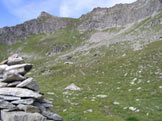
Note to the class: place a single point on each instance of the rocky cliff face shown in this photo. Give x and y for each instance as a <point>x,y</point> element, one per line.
<point>119,15</point>
<point>99,18</point>
<point>45,23</point>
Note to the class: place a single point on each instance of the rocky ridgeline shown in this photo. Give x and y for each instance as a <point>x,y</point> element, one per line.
<point>20,99</point>
<point>119,15</point>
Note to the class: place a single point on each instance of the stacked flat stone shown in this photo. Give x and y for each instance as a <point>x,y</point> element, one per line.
<point>20,99</point>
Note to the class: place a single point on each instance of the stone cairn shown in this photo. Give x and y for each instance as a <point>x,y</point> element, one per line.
<point>20,99</point>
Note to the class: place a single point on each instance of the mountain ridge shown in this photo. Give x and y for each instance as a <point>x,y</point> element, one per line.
<point>98,19</point>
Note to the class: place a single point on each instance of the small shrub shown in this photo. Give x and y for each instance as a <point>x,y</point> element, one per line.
<point>132,119</point>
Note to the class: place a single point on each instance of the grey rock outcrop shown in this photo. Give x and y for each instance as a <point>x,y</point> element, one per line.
<point>20,99</point>
<point>45,23</point>
<point>119,15</point>
<point>99,19</point>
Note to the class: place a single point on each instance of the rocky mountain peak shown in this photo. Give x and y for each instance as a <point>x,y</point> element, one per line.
<point>43,13</point>
<point>119,15</point>
<point>99,19</point>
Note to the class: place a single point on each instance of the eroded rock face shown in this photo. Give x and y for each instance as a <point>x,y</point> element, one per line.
<point>99,18</point>
<point>119,15</point>
<point>45,23</point>
<point>21,116</point>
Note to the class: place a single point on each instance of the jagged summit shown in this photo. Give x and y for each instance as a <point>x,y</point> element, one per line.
<point>119,15</point>
<point>99,19</point>
<point>43,13</point>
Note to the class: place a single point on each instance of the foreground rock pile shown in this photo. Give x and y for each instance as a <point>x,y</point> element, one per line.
<point>20,99</point>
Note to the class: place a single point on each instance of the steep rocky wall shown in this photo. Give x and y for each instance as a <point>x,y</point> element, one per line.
<point>45,23</point>
<point>119,15</point>
<point>98,19</point>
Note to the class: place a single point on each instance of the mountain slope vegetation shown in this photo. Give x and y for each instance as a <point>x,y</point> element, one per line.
<point>119,69</point>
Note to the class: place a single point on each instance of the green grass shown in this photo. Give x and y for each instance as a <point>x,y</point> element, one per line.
<point>114,29</point>
<point>110,70</point>
<point>109,66</point>
<point>136,26</point>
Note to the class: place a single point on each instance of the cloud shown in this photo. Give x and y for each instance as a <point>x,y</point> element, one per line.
<point>75,8</point>
<point>26,10</point>
<point>29,9</point>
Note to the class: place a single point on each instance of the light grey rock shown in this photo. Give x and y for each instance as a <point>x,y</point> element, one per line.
<point>9,98</point>
<point>29,83</point>
<point>21,116</point>
<point>73,87</point>
<point>11,76</point>
<point>19,92</point>
<point>119,15</point>
<point>28,108</point>
<point>43,24</point>
<point>19,68</point>
<point>48,113</point>
<point>2,84</point>
<point>6,105</point>
<point>24,101</point>
<point>2,68</point>
<point>52,115</point>
<point>15,59</point>
<point>13,84</point>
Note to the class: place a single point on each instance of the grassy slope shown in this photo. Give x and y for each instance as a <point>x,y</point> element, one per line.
<point>108,67</point>
<point>110,70</point>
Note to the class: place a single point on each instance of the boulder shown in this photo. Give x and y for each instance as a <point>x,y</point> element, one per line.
<point>28,108</point>
<point>6,105</point>
<point>28,101</point>
<point>9,98</point>
<point>19,92</point>
<point>29,83</point>
<point>11,76</point>
<point>52,115</point>
<point>15,59</point>
<point>21,116</point>
<point>73,87</point>
<point>19,68</point>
